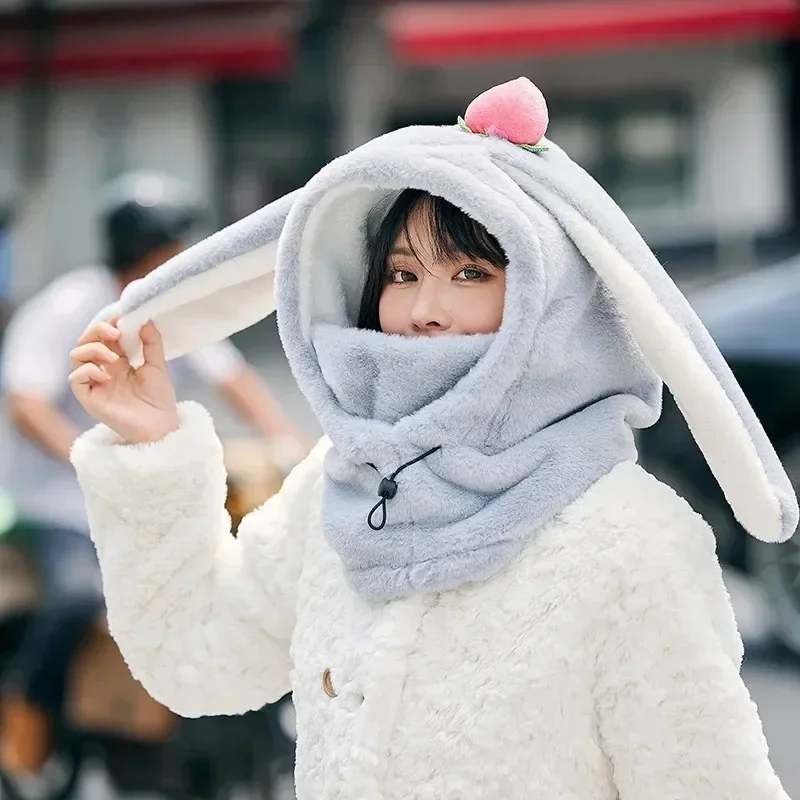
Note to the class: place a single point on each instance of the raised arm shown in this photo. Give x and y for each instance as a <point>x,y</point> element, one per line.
<point>203,619</point>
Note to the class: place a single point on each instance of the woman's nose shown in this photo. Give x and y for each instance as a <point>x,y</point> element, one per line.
<point>429,312</point>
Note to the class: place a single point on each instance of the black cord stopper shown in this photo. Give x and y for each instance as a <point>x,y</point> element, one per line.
<point>387,490</point>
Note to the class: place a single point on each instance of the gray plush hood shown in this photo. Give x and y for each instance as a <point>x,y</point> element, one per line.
<point>539,205</point>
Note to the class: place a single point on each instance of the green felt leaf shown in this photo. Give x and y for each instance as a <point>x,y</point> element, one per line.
<point>531,148</point>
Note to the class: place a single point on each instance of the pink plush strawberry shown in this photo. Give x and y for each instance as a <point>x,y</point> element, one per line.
<point>515,111</point>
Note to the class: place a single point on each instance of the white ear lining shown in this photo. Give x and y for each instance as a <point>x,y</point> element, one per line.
<point>207,307</point>
<point>331,254</point>
<point>711,416</point>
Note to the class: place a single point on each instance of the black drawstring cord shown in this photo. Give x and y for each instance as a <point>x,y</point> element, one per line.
<point>388,489</point>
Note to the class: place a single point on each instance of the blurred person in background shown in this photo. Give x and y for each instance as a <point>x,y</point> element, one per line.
<point>6,505</point>
<point>5,269</point>
<point>146,219</point>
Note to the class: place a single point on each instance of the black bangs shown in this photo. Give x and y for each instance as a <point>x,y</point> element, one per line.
<point>451,231</point>
<point>452,234</point>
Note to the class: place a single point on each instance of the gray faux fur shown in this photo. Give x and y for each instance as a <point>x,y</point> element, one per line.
<point>527,419</point>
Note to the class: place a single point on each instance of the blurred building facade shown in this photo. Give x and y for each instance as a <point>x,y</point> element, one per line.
<point>685,110</point>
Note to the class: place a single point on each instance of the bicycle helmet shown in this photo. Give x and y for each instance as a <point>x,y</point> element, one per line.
<point>143,211</point>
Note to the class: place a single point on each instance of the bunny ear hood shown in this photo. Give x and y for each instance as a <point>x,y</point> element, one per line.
<point>220,286</point>
<point>497,167</point>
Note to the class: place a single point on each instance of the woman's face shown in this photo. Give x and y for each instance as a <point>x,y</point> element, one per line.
<point>427,296</point>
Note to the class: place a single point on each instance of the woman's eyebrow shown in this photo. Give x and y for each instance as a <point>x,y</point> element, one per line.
<point>401,251</point>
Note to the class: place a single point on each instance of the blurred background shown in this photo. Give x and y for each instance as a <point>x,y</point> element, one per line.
<point>687,111</point>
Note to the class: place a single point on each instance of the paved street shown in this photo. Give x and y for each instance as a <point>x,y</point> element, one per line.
<point>773,680</point>
<point>776,691</point>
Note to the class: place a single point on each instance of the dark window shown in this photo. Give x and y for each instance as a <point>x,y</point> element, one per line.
<point>639,148</point>
<point>263,146</point>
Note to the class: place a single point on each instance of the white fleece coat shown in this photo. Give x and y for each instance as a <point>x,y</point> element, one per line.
<point>603,663</point>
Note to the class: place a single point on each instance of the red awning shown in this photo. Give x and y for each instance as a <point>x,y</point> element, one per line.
<point>223,38</point>
<point>430,33</point>
<point>243,37</point>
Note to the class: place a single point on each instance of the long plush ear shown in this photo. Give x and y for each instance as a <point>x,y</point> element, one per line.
<point>666,328</point>
<point>221,285</point>
<point>682,352</point>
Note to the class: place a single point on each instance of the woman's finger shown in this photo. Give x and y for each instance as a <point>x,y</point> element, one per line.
<point>88,374</point>
<point>93,351</point>
<point>100,332</point>
<point>152,346</point>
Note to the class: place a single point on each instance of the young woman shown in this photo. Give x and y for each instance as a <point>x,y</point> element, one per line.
<point>470,586</point>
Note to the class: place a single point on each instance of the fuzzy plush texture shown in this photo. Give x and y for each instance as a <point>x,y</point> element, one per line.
<point>602,663</point>
<point>522,435</point>
<point>519,196</point>
<point>515,111</point>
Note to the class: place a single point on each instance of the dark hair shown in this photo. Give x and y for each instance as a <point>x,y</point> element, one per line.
<point>133,231</point>
<point>453,233</point>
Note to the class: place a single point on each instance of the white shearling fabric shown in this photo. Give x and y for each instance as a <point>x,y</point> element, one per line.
<point>602,663</point>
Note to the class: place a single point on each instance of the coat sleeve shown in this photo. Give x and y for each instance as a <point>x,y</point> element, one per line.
<point>676,719</point>
<point>203,619</point>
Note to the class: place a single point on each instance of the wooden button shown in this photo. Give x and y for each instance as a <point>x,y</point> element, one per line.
<point>327,684</point>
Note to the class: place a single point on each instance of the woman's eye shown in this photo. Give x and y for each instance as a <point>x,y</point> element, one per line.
<point>402,276</point>
<point>471,274</point>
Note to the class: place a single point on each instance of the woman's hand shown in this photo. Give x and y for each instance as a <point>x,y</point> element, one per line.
<point>138,404</point>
